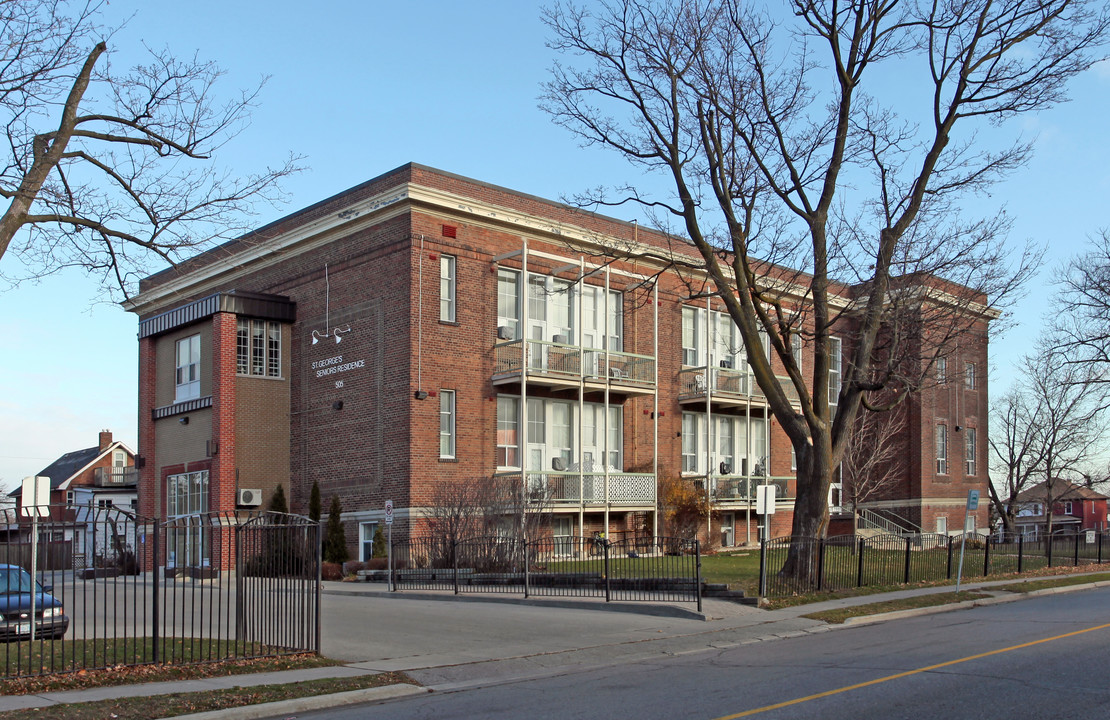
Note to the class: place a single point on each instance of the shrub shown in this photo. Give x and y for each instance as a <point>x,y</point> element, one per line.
<point>331,571</point>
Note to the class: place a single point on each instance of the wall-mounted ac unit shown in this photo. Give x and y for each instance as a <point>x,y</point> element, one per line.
<point>726,364</point>
<point>560,339</point>
<point>249,498</point>
<point>725,468</point>
<point>504,332</point>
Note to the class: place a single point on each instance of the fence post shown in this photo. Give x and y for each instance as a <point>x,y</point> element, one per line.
<point>526,566</point>
<point>605,548</point>
<point>948,570</point>
<point>455,563</point>
<point>906,574</point>
<point>1048,541</point>
<point>762,568</point>
<point>859,571</point>
<point>820,563</point>
<point>697,570</point>
<point>319,585</point>
<point>1100,548</point>
<point>1076,556</point>
<point>156,596</point>
<point>986,556</point>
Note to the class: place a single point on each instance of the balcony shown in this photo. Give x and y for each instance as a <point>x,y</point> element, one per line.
<point>729,489</point>
<point>728,387</point>
<point>115,476</point>
<point>571,488</point>
<point>552,364</point>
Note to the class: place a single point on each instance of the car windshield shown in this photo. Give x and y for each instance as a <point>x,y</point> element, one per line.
<point>14,580</point>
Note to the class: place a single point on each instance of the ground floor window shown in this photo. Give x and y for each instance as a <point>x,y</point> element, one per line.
<point>366,532</point>
<point>186,499</point>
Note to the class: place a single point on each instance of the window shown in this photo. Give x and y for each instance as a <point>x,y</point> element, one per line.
<point>942,449</point>
<point>942,373</point>
<point>969,375</point>
<point>969,451</point>
<point>736,441</point>
<point>508,302</point>
<point>836,496</point>
<point>834,370</point>
<point>188,369</point>
<point>447,288</point>
<point>796,350</point>
<point>70,497</point>
<point>1067,508</point>
<point>942,525</point>
<point>104,503</point>
<point>508,430</point>
<point>693,334</point>
<point>690,442</point>
<point>186,496</point>
<point>447,423</point>
<point>258,348</point>
<point>366,532</point>
<point>119,458</point>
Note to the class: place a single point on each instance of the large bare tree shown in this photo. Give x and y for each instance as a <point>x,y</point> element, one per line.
<point>833,137</point>
<point>107,170</point>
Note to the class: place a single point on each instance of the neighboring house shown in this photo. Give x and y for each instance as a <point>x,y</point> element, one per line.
<point>87,480</point>
<point>1075,507</point>
<point>425,329</point>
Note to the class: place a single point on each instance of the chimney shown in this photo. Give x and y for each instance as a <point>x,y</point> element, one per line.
<point>105,439</point>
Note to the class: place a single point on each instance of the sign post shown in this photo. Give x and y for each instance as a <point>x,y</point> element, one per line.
<point>36,494</point>
<point>972,506</point>
<point>389,541</point>
<point>765,508</point>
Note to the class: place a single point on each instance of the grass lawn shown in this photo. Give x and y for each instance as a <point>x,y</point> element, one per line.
<point>164,706</point>
<point>839,615</point>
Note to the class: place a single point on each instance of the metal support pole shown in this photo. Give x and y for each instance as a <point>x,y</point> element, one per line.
<point>697,571</point>
<point>1021,550</point>
<point>390,586</point>
<point>906,574</point>
<point>1076,555</point>
<point>859,570</point>
<point>156,599</point>
<point>948,573</point>
<point>762,569</point>
<point>605,549</point>
<point>820,563</point>
<point>987,556</point>
<point>526,566</point>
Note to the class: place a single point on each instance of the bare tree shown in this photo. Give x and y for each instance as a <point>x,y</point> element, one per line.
<point>1050,428</point>
<point>1085,294</point>
<point>782,152</point>
<point>874,461</point>
<point>105,170</point>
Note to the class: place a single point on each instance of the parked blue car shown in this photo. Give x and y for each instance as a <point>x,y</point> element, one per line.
<point>15,607</point>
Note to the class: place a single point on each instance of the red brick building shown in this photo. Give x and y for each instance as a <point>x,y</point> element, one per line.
<point>424,329</point>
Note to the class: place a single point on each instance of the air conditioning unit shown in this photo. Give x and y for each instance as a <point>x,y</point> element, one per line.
<point>725,468</point>
<point>726,364</point>
<point>504,332</point>
<point>560,339</point>
<point>249,498</point>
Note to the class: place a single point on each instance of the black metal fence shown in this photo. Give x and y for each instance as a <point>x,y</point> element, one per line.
<point>658,569</point>
<point>848,561</point>
<point>117,589</point>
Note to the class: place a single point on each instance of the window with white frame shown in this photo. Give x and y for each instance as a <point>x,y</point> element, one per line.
<point>188,369</point>
<point>942,449</point>
<point>553,311</point>
<point>508,431</point>
<point>942,370</point>
<point>508,303</point>
<point>447,423</point>
<point>942,525</point>
<point>796,350</point>
<point>553,442</point>
<point>447,288</point>
<point>693,336</point>
<point>119,458</point>
<point>714,339</point>
<point>366,533</point>
<point>186,497</point>
<point>969,450</point>
<point>969,375</point>
<point>834,370</point>
<point>737,441</point>
<point>258,348</point>
<point>1068,508</point>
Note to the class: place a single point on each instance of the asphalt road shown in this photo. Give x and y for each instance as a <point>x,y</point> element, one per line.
<point>1040,658</point>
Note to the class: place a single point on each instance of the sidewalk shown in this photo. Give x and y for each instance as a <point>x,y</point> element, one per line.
<point>520,639</point>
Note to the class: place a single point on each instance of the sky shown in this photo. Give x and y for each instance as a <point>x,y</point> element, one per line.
<point>359,88</point>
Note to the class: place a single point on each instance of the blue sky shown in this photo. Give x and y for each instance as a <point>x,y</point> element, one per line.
<point>359,88</point>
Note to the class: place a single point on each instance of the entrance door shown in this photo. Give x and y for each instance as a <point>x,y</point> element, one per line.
<point>537,323</point>
<point>728,530</point>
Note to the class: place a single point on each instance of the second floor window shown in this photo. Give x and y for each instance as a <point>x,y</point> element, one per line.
<point>969,451</point>
<point>834,370</point>
<point>558,311</point>
<point>942,449</point>
<point>447,288</point>
<point>969,375</point>
<point>942,370</point>
<point>258,348</point>
<point>187,381</point>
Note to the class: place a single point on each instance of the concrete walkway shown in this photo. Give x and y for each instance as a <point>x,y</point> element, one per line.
<point>445,641</point>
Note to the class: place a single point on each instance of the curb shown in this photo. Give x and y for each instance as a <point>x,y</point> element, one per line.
<point>307,704</point>
<point>951,607</point>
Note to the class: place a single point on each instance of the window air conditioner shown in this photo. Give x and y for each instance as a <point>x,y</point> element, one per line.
<point>726,364</point>
<point>249,498</point>
<point>726,469</point>
<point>504,332</point>
<point>558,464</point>
<point>560,339</point>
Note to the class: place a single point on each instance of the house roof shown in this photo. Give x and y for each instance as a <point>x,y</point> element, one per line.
<point>1062,490</point>
<point>72,463</point>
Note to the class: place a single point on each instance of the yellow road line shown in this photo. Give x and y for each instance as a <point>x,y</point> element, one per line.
<point>907,673</point>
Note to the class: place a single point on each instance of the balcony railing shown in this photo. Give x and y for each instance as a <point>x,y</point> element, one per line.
<point>738,488</point>
<point>573,488</point>
<point>115,476</point>
<point>572,362</point>
<point>727,384</point>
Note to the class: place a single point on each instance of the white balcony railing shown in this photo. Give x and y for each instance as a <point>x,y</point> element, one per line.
<point>738,488</point>
<point>696,382</point>
<point>115,476</point>
<point>540,358</point>
<point>574,488</point>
